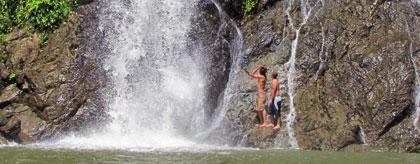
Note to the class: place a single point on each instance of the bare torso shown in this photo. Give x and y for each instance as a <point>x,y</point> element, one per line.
<point>261,87</point>
<point>277,87</point>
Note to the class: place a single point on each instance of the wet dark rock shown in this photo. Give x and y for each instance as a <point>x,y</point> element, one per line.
<point>3,141</point>
<point>84,2</point>
<point>233,8</point>
<point>216,45</point>
<point>360,74</point>
<point>354,70</point>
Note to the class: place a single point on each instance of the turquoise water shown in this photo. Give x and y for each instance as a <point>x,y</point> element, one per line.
<point>30,155</point>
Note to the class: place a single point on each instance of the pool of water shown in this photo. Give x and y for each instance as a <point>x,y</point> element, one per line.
<point>37,155</point>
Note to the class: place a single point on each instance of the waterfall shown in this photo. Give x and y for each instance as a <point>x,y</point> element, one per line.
<point>237,58</point>
<point>321,53</point>
<point>417,80</point>
<point>219,118</point>
<point>158,80</point>
<point>158,84</point>
<point>306,10</point>
<point>417,91</point>
<point>363,136</point>
<point>290,83</point>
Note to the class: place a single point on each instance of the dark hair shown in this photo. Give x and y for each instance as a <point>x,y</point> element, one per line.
<point>274,75</point>
<point>263,71</point>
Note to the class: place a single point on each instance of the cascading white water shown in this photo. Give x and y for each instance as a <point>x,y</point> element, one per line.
<point>363,136</point>
<point>306,10</point>
<point>290,83</point>
<point>237,58</point>
<point>417,80</point>
<point>416,93</point>
<point>219,120</point>
<point>158,82</point>
<point>158,86</point>
<point>321,53</point>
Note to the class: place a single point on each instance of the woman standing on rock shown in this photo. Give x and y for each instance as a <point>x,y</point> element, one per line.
<point>262,78</point>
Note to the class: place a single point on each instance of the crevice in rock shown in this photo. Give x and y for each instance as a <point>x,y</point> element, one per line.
<point>397,120</point>
<point>11,134</point>
<point>4,104</point>
<point>39,114</point>
<point>74,111</point>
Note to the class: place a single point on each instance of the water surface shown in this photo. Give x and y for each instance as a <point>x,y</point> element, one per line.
<point>31,155</point>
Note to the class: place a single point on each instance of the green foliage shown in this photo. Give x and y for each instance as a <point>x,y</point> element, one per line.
<point>249,7</point>
<point>43,37</point>
<point>42,15</point>
<point>73,3</point>
<point>2,38</point>
<point>12,77</point>
<point>3,54</point>
<point>5,19</point>
<point>39,15</point>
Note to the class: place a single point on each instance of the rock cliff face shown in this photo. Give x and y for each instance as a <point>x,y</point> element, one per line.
<point>355,80</point>
<point>49,90</point>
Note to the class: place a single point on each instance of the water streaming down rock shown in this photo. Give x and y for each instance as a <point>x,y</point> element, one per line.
<point>157,90</point>
<point>292,111</point>
<point>416,95</point>
<point>363,136</point>
<point>306,10</point>
<point>219,122</point>
<point>322,64</point>
<point>237,59</point>
<point>158,75</point>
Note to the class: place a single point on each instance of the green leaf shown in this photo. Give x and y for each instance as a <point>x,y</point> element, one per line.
<point>12,77</point>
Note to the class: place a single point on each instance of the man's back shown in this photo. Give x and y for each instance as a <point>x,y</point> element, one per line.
<point>275,86</point>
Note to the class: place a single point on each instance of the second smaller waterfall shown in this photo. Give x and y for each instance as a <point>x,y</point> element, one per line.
<point>305,11</point>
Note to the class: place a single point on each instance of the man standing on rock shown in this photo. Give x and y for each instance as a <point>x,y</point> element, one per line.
<point>262,78</point>
<point>274,103</point>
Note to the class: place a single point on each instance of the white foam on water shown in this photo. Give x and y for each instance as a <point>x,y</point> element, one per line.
<point>156,143</point>
<point>10,144</point>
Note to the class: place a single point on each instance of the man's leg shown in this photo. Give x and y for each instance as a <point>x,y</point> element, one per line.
<point>278,122</point>
<point>278,115</point>
<point>259,115</point>
<point>273,121</point>
<point>272,115</point>
<point>263,113</point>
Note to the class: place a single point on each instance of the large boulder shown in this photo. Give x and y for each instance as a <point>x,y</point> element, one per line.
<point>9,94</point>
<point>31,125</point>
<point>55,87</point>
